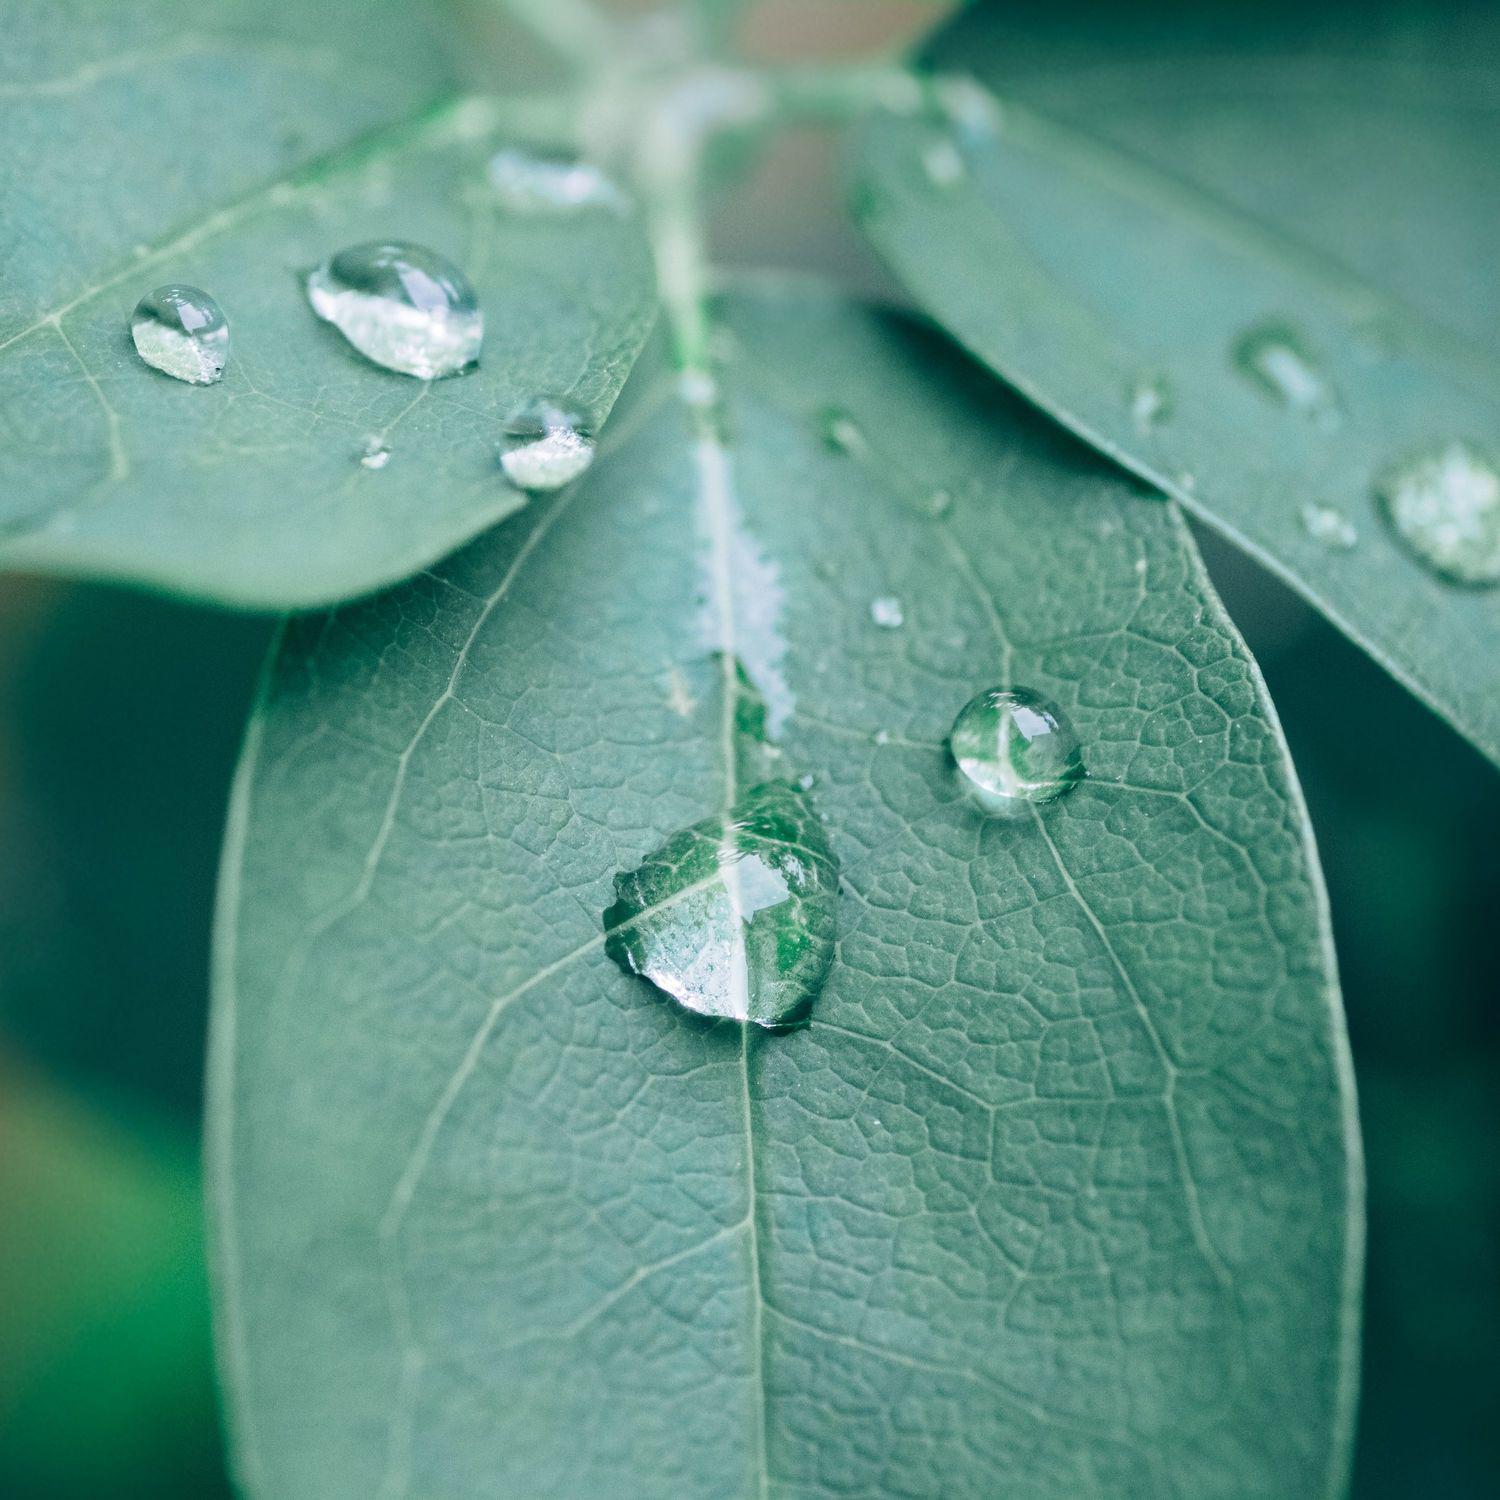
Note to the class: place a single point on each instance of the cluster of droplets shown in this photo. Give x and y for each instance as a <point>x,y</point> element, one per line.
<point>409,310</point>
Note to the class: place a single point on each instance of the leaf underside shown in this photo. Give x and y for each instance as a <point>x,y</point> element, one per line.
<point>234,153</point>
<point>1198,173</point>
<point>1056,1195</point>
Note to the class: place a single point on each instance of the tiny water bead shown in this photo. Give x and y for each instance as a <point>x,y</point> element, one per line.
<point>1443,504</point>
<point>182,332</point>
<point>887,612</point>
<point>840,431</point>
<point>1274,358</point>
<point>1014,747</point>
<point>735,916</point>
<point>546,444</point>
<point>1150,404</point>
<point>402,306</point>
<point>531,182</point>
<point>1329,526</point>
<point>376,455</point>
<point>944,164</point>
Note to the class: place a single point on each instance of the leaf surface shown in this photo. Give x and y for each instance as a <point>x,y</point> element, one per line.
<point>1200,176</point>
<point>1056,1195</point>
<point>234,150</point>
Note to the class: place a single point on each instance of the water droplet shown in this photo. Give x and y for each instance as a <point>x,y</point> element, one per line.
<point>547,445</point>
<point>734,916</point>
<point>840,431</point>
<point>1278,363</point>
<point>182,332</point>
<point>376,454</point>
<point>943,164</point>
<point>887,613</point>
<point>881,737</point>
<point>402,306</point>
<point>1330,526</point>
<point>939,503</point>
<point>1013,747</point>
<point>530,182</point>
<point>1150,403</point>
<point>969,107</point>
<point>1444,506</point>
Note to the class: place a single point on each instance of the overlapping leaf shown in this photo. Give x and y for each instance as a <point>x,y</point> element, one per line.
<point>1206,174</point>
<point>233,147</point>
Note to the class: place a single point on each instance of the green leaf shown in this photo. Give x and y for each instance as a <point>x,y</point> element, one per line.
<point>1326,181</point>
<point>234,153</point>
<point>1057,1193</point>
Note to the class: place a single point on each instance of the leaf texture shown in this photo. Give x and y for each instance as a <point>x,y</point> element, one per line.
<point>1058,1192</point>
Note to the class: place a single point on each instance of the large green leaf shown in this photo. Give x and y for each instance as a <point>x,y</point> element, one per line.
<point>1201,172</point>
<point>233,150</point>
<point>1058,1193</point>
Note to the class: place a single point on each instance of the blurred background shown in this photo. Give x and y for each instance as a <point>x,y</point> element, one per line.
<point>120,717</point>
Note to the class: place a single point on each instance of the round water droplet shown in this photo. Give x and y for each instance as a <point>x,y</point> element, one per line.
<point>939,503</point>
<point>1274,358</point>
<point>881,737</point>
<point>530,182</point>
<point>1014,747</point>
<point>1330,526</point>
<point>546,445</point>
<point>887,613</point>
<point>402,306</point>
<point>376,454</point>
<point>1443,504</point>
<point>182,332</point>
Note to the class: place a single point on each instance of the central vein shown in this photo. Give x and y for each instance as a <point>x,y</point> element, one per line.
<point>672,152</point>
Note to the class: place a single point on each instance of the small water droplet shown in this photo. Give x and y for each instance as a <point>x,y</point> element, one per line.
<point>376,454</point>
<point>547,444</point>
<point>1443,504</point>
<point>939,503</point>
<point>881,737</point>
<point>969,107</point>
<point>887,613</point>
<point>734,916</point>
<point>1185,479</point>
<point>840,431</point>
<point>1150,403</point>
<point>402,306</point>
<point>944,164</point>
<point>530,182</point>
<point>1275,359</point>
<point>182,332</point>
<point>1330,526</point>
<point>1014,747</point>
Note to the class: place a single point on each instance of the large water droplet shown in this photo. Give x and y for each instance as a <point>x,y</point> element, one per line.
<point>1273,357</point>
<point>1444,506</point>
<point>530,182</point>
<point>403,306</point>
<point>1014,747</point>
<point>734,916</point>
<point>546,445</point>
<point>182,332</point>
<point>1329,526</point>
